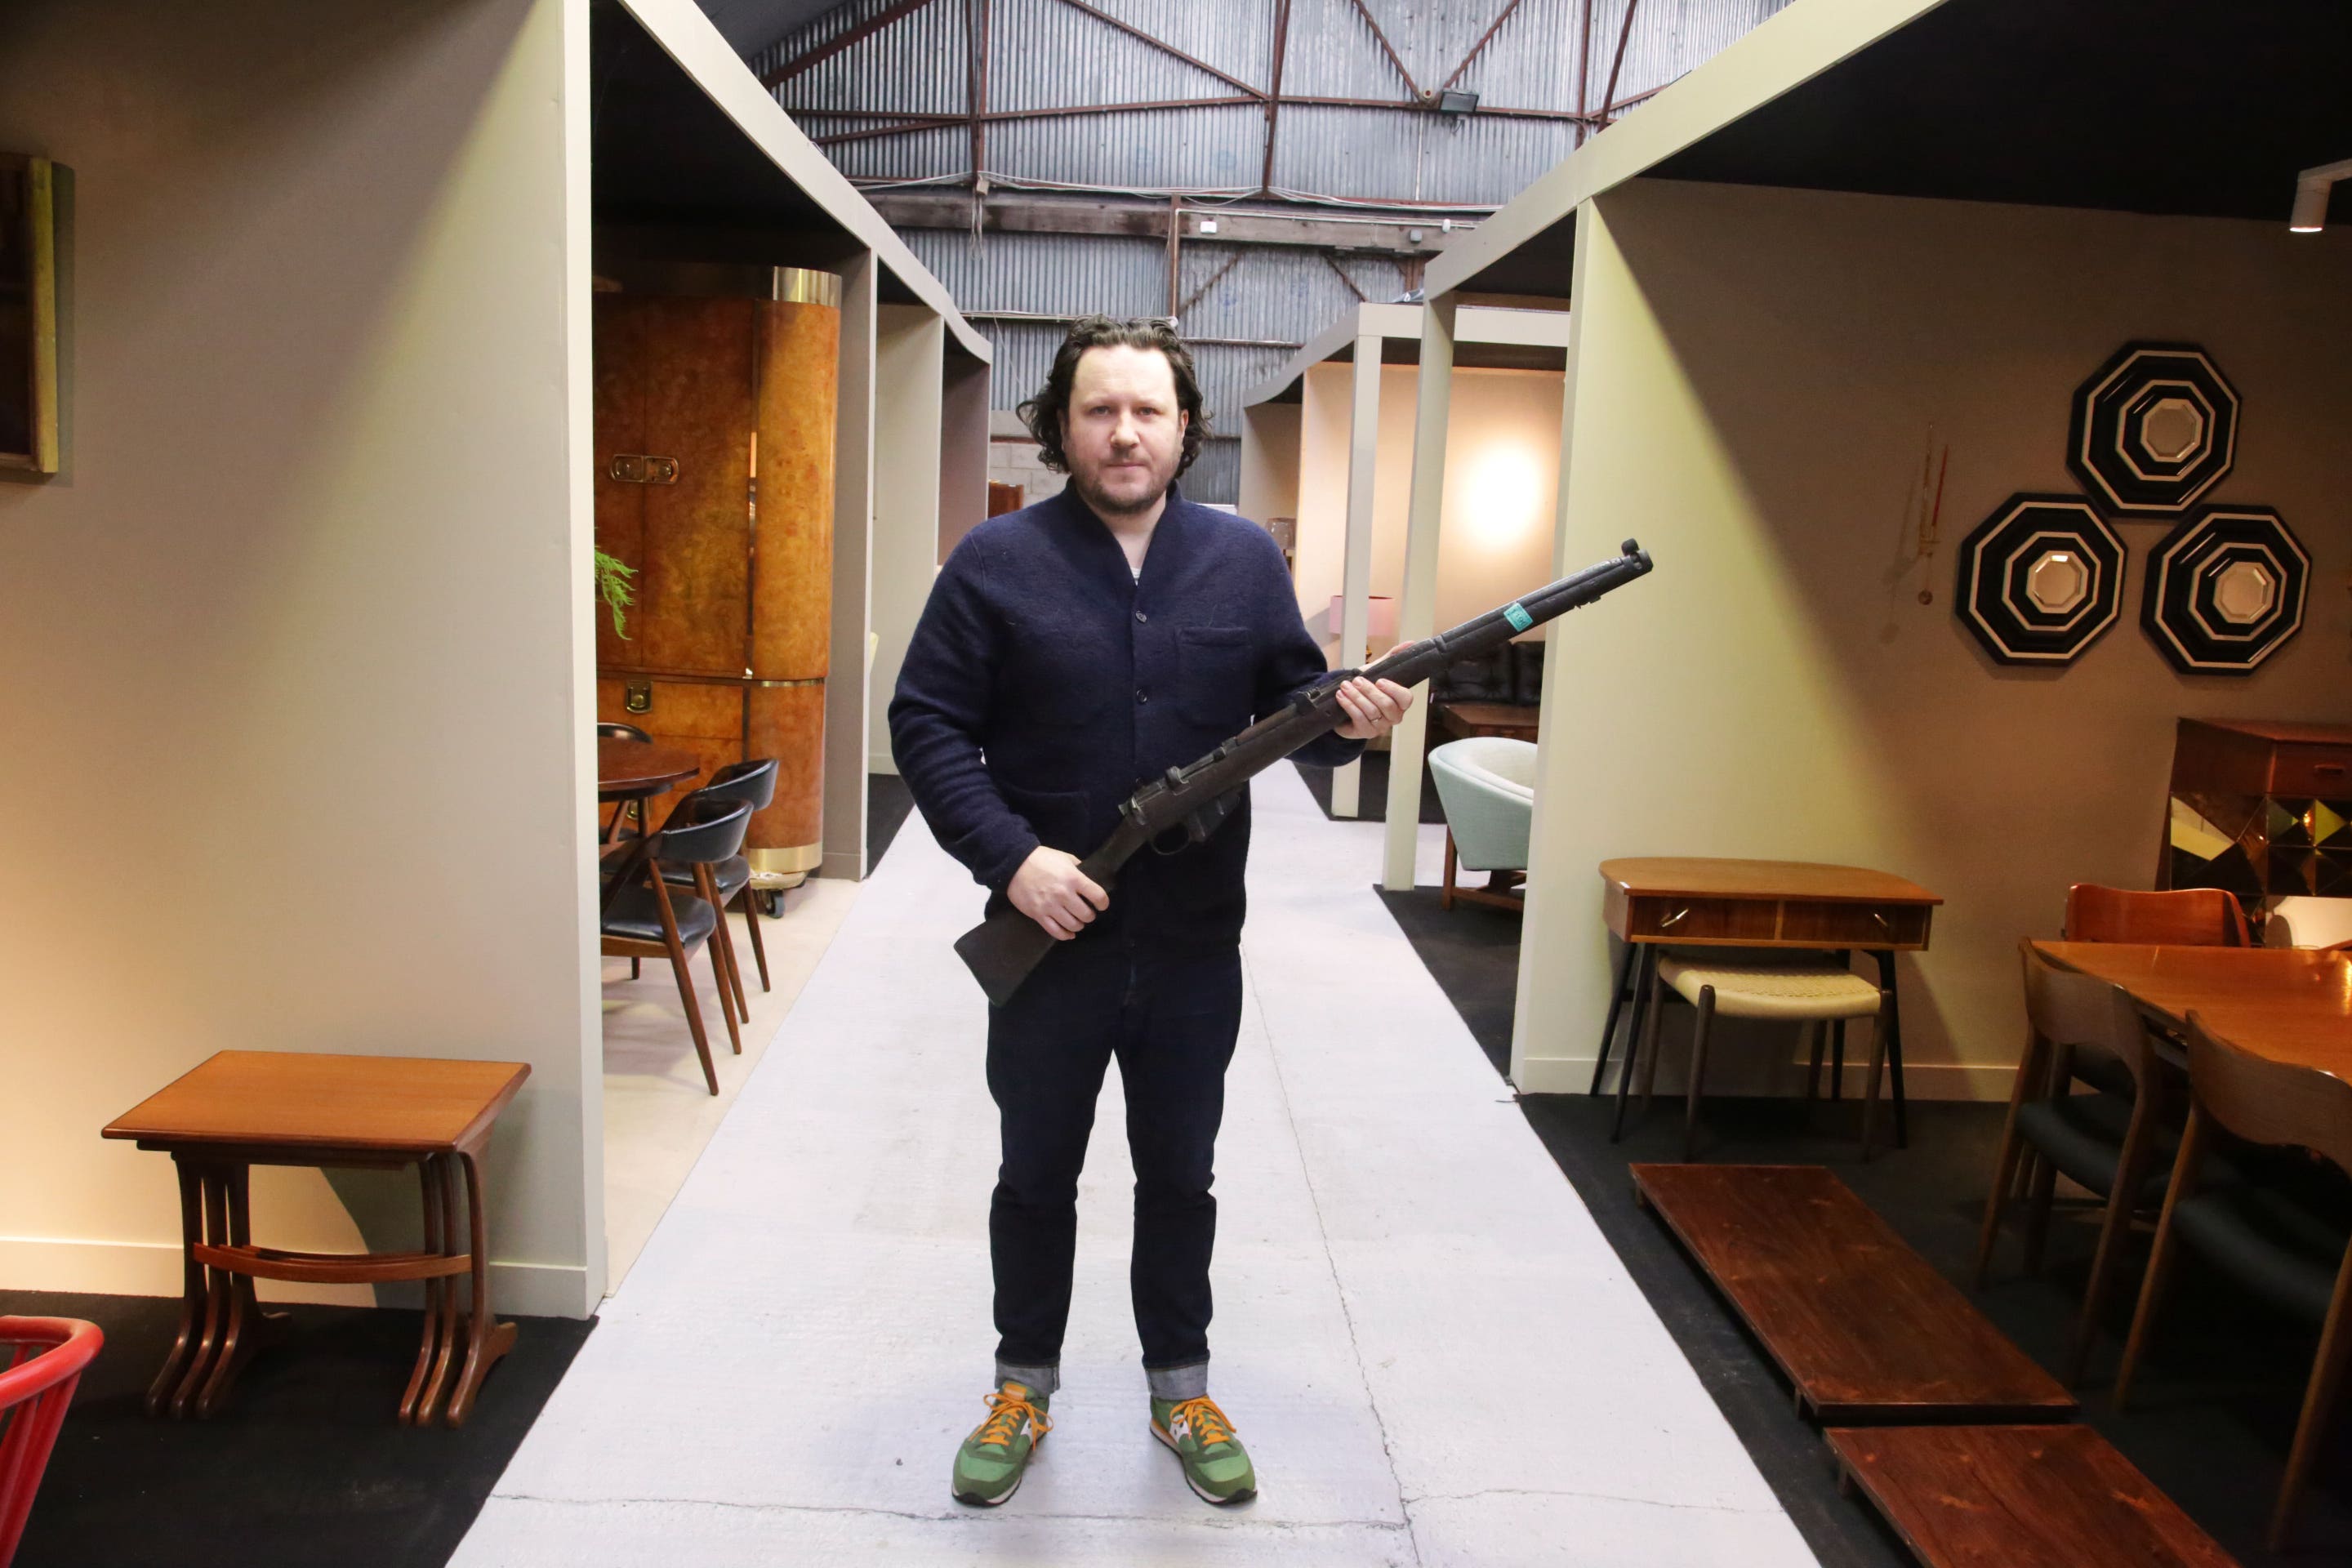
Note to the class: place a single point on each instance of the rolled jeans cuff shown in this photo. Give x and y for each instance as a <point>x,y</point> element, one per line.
<point>1044,1380</point>
<point>1176,1382</point>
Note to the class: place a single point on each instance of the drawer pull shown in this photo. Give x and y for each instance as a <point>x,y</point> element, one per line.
<point>1674,920</point>
<point>1882,923</point>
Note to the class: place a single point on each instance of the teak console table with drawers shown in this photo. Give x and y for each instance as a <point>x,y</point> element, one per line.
<point>1666,901</point>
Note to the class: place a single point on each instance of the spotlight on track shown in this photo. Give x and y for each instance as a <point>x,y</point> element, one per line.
<point>2311,191</point>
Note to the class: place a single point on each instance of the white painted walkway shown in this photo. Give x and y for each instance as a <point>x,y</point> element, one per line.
<point>1431,1353</point>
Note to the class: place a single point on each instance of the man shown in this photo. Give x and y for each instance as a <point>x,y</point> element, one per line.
<point>1070,650</point>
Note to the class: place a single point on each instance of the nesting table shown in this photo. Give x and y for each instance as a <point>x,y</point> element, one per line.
<point>1684,901</point>
<point>242,1108</point>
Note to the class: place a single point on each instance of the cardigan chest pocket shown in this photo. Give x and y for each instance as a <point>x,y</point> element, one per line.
<point>1216,676</point>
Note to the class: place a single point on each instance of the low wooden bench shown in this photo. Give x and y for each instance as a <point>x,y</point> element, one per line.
<point>1860,1323</point>
<point>1978,1495</point>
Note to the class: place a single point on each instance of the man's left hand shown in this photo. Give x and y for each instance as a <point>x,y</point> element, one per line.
<point>1374,709</point>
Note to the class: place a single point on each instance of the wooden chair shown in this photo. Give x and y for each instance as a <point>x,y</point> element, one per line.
<point>753,782</point>
<point>2081,1030</point>
<point>2283,1250</point>
<point>642,918</point>
<point>2184,917</point>
<point>1811,994</point>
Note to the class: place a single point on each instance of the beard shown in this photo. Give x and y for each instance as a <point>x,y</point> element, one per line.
<point>1086,482</point>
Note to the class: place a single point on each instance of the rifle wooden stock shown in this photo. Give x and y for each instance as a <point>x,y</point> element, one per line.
<point>1003,950</point>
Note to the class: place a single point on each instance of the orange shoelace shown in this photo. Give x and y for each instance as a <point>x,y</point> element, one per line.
<point>1208,1422</point>
<point>1005,1413</point>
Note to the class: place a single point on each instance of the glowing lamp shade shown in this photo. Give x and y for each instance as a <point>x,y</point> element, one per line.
<point>1505,493</point>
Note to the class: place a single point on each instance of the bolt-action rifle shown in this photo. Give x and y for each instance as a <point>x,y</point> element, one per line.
<point>1002,950</point>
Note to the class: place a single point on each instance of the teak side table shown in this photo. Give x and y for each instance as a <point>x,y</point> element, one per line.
<point>1686,901</point>
<point>242,1108</point>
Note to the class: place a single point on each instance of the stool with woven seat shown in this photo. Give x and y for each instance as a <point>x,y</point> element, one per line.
<point>1807,994</point>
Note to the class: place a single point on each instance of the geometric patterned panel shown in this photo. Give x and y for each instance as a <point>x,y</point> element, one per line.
<point>2224,591</point>
<point>2040,579</point>
<point>2155,428</point>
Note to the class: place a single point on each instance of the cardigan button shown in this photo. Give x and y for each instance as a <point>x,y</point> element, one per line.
<point>1141,695</point>
<point>1140,617</point>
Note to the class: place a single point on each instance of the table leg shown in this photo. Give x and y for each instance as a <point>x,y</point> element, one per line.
<point>1837,1043</point>
<point>1642,970</point>
<point>247,1330</point>
<point>445,1360</point>
<point>428,1184</point>
<point>1616,1005</point>
<point>192,1286</point>
<point>215,1220</point>
<point>486,1339</point>
<point>1894,1045</point>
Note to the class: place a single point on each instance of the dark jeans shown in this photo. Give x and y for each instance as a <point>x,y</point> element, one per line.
<point>1171,1021</point>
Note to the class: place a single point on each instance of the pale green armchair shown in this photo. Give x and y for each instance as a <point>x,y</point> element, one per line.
<point>1487,786</point>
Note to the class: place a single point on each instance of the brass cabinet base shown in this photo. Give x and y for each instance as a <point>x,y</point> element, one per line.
<point>801,858</point>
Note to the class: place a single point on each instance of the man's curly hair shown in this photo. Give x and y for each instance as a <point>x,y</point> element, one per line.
<point>1043,414</point>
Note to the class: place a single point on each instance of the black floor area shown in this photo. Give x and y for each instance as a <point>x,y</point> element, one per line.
<point>887,801</point>
<point>2217,1399</point>
<point>305,1468</point>
<point>1372,792</point>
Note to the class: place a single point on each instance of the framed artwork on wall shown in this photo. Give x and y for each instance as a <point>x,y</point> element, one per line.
<point>2226,590</point>
<point>28,315</point>
<point>2040,580</point>
<point>2153,429</point>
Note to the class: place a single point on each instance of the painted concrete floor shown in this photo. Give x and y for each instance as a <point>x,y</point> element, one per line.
<point>659,1114</point>
<point>1433,1355</point>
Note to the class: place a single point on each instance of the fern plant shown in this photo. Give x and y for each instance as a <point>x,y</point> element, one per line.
<point>613,576</point>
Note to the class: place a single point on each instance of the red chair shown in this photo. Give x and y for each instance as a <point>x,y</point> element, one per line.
<point>2186,916</point>
<point>41,1360</point>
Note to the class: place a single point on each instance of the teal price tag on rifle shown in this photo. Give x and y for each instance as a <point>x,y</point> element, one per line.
<point>1521,620</point>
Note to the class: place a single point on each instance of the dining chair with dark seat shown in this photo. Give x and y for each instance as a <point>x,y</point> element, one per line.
<point>2114,1141</point>
<point>2181,917</point>
<point>644,919</point>
<point>2288,1240</point>
<point>754,783</point>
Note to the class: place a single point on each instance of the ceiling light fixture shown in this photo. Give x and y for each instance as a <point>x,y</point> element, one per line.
<point>2311,190</point>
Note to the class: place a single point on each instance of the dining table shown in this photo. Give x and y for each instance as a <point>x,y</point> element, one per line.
<point>630,770</point>
<point>2288,1004</point>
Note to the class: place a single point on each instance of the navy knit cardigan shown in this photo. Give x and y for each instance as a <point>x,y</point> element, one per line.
<point>1044,682</point>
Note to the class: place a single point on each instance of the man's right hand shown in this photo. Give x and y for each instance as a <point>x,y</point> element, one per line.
<point>1050,889</point>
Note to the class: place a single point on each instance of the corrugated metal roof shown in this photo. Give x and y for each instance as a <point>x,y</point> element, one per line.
<point>1054,274</point>
<point>1162,150</point>
<point>1043,53</point>
<point>1277,293</point>
<point>916,65</point>
<point>1046,54</point>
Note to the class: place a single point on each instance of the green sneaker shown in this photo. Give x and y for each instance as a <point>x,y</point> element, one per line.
<point>1215,1465</point>
<point>988,1466</point>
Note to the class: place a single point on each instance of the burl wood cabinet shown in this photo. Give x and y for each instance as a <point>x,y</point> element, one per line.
<point>714,479</point>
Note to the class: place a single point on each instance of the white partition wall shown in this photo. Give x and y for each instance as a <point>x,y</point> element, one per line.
<point>909,382</point>
<point>848,716</point>
<point>296,647</point>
